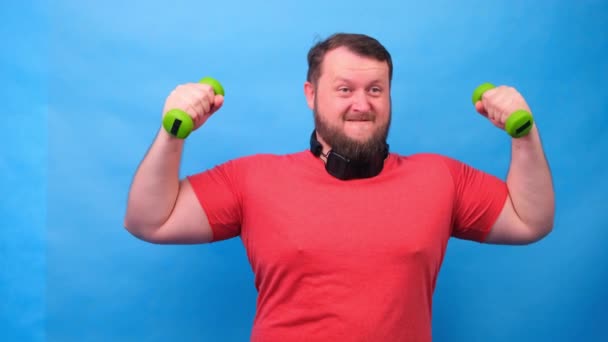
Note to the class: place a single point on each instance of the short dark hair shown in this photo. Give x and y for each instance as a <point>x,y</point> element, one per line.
<point>359,44</point>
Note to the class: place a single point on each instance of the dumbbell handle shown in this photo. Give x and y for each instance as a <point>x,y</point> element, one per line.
<point>519,122</point>
<point>178,123</point>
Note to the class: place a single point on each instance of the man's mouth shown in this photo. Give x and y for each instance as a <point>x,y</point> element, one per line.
<point>359,118</point>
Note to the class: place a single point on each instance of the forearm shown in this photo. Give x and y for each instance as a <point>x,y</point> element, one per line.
<point>154,189</point>
<point>530,183</point>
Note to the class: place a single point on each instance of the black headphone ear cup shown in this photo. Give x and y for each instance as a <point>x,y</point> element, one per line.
<point>315,146</point>
<point>338,166</point>
<point>342,167</point>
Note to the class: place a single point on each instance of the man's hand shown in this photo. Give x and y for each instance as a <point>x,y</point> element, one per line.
<point>196,99</point>
<point>499,103</point>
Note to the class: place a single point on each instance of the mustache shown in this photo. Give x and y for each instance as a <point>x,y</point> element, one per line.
<point>368,116</point>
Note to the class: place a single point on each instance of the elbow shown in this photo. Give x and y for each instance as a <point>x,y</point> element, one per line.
<point>541,231</point>
<point>138,230</point>
<point>545,226</point>
<point>131,227</point>
<point>130,224</point>
<point>547,229</point>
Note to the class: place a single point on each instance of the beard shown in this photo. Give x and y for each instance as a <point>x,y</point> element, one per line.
<point>362,151</point>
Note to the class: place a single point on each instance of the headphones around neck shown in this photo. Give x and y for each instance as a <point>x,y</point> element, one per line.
<point>344,168</point>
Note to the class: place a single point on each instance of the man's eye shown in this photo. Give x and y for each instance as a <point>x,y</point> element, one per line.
<point>376,90</point>
<point>343,89</point>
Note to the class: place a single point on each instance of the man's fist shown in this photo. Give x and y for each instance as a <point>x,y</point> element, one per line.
<point>497,104</point>
<point>196,99</point>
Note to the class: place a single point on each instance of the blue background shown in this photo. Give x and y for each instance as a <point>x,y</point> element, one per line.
<point>83,85</point>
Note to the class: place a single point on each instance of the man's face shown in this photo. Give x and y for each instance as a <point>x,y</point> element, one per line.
<point>351,103</point>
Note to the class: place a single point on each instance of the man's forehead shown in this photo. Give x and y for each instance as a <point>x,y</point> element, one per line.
<point>343,61</point>
<point>358,68</point>
<point>345,71</point>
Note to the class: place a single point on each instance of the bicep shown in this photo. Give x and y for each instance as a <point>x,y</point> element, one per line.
<point>187,224</point>
<point>509,229</point>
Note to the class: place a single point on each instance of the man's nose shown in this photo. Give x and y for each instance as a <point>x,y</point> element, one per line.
<point>360,102</point>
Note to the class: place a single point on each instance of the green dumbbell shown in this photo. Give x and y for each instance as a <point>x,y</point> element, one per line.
<point>178,123</point>
<point>519,122</point>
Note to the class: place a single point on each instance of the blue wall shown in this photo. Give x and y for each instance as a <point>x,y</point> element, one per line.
<point>87,82</point>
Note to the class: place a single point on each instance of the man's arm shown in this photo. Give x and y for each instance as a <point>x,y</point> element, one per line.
<point>160,207</point>
<point>530,207</point>
<point>529,210</point>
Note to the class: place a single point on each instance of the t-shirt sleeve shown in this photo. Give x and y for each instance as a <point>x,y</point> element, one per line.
<point>219,193</point>
<point>479,199</point>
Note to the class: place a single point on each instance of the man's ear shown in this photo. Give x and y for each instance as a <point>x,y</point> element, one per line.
<point>309,92</point>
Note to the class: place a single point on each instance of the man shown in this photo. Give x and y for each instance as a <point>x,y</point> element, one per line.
<point>345,239</point>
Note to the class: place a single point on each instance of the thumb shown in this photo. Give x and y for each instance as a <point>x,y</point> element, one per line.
<point>480,108</point>
<point>218,101</point>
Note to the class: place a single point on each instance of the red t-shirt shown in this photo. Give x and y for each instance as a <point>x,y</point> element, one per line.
<point>349,260</point>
